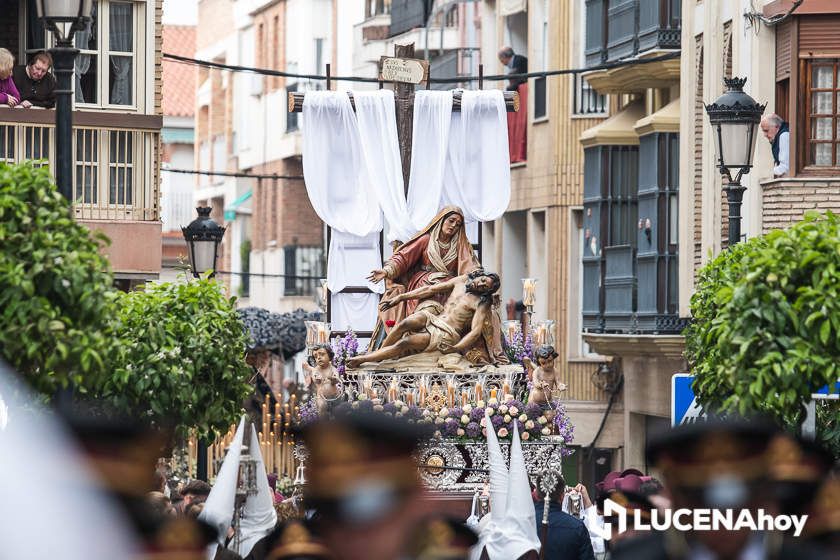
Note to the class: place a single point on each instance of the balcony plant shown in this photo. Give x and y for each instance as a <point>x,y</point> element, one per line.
<point>766,331</point>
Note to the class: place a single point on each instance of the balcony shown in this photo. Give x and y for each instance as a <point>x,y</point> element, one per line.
<point>115,187</point>
<point>784,201</point>
<point>626,29</point>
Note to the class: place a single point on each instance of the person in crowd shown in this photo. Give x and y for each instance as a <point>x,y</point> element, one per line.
<point>777,132</point>
<point>719,464</point>
<point>160,503</point>
<point>195,491</point>
<point>9,94</point>
<point>363,482</point>
<point>516,63</point>
<point>566,536</point>
<point>35,83</point>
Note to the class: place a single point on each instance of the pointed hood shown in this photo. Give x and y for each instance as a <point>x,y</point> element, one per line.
<point>520,509</point>
<point>511,529</point>
<point>259,517</point>
<point>498,473</point>
<point>218,509</point>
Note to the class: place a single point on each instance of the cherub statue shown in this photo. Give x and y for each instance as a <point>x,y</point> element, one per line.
<point>323,375</point>
<point>545,385</point>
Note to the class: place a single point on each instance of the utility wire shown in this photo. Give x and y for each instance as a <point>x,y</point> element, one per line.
<point>234,174</point>
<point>495,77</point>
<point>263,275</point>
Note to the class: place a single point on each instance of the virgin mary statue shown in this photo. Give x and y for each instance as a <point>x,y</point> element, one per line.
<point>437,253</point>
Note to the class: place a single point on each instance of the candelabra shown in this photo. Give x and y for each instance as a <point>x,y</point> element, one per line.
<point>247,486</point>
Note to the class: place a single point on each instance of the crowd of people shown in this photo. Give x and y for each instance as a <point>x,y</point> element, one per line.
<point>27,86</point>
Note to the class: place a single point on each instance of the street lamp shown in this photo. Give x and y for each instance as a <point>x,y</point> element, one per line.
<point>734,117</point>
<point>203,237</point>
<point>63,18</point>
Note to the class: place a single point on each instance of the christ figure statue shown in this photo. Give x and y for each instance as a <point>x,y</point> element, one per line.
<point>456,328</point>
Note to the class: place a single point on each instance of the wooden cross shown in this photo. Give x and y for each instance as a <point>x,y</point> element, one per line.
<point>404,100</point>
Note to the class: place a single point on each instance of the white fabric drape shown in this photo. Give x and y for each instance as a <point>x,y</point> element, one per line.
<point>477,176</point>
<point>351,258</point>
<point>259,517</point>
<point>382,169</point>
<point>358,311</point>
<point>432,116</point>
<point>218,509</point>
<point>332,165</point>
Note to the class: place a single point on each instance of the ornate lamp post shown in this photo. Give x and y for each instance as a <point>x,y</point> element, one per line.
<point>63,18</point>
<point>734,117</point>
<point>203,237</point>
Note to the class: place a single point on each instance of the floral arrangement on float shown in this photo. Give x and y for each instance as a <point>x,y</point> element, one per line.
<point>467,422</point>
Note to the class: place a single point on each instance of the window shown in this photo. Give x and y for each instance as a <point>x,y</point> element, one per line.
<point>823,113</point>
<point>96,186</point>
<point>105,68</point>
<point>623,192</point>
<point>585,100</point>
<point>377,7</point>
<point>291,118</point>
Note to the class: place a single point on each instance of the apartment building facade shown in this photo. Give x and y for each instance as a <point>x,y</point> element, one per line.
<point>117,123</point>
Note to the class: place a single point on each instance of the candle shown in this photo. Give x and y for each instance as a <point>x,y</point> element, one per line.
<point>409,398</point>
<point>464,398</point>
<point>422,395</point>
<point>479,391</point>
<point>492,393</point>
<point>505,389</point>
<point>529,291</point>
<point>322,334</point>
<point>450,395</point>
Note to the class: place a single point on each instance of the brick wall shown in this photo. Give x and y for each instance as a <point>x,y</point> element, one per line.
<point>785,201</point>
<point>282,212</point>
<point>215,18</point>
<point>270,51</point>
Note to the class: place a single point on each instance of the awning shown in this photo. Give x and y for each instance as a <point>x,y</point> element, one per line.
<point>230,211</point>
<point>618,130</point>
<point>510,7</point>
<point>169,135</point>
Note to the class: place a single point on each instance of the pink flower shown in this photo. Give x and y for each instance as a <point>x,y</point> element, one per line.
<point>503,432</point>
<point>526,435</point>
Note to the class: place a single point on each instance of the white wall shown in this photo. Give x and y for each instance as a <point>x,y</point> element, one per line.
<point>180,12</point>
<point>514,254</point>
<point>176,198</point>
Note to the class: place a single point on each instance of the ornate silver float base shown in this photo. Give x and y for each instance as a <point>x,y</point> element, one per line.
<point>462,467</point>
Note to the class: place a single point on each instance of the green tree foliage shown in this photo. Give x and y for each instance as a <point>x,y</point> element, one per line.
<point>766,329</point>
<point>54,285</point>
<point>182,356</point>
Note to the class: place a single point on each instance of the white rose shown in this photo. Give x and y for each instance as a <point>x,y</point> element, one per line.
<point>427,412</point>
<point>514,411</point>
<point>503,409</point>
<point>507,418</point>
<point>403,409</point>
<point>363,397</point>
<point>355,405</point>
<point>480,404</point>
<point>460,432</point>
<point>493,401</point>
<point>523,417</point>
<point>465,419</point>
<point>399,404</point>
<point>490,411</point>
<point>439,420</point>
<point>467,408</point>
<point>542,420</point>
<point>529,425</point>
<point>378,407</point>
<point>437,433</point>
<point>443,412</point>
<point>545,432</point>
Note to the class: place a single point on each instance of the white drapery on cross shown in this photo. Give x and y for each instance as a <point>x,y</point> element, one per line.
<point>353,171</point>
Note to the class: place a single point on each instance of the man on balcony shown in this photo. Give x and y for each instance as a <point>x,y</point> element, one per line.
<point>35,83</point>
<point>517,64</point>
<point>777,132</point>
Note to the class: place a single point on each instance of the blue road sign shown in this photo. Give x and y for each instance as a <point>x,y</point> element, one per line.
<point>684,407</point>
<point>824,393</point>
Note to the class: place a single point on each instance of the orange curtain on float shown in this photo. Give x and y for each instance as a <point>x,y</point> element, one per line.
<point>518,128</point>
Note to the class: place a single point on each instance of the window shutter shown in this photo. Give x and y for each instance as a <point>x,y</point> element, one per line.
<point>784,34</point>
<point>818,36</point>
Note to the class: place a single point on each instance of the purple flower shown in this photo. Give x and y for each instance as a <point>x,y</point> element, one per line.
<point>450,427</point>
<point>308,413</point>
<point>389,407</point>
<point>473,430</point>
<point>497,420</point>
<point>456,412</point>
<point>414,413</point>
<point>533,411</point>
<point>366,405</point>
<point>477,414</point>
